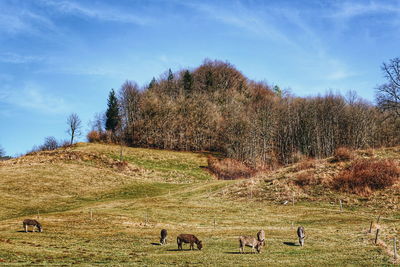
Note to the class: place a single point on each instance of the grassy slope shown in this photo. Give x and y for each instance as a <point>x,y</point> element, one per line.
<point>169,190</point>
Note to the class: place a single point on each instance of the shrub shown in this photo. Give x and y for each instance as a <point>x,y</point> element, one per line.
<point>367,175</point>
<point>304,165</point>
<point>229,169</point>
<point>305,179</point>
<point>93,137</point>
<point>342,154</point>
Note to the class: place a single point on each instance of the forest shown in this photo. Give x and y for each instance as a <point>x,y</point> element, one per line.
<point>214,107</point>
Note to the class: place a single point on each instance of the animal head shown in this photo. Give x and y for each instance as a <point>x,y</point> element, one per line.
<point>40,228</point>
<point>199,245</point>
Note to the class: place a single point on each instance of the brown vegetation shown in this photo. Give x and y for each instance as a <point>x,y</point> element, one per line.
<point>229,169</point>
<point>342,154</point>
<point>365,176</point>
<point>306,179</point>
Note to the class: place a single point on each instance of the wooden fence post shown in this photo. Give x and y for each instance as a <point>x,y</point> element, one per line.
<point>370,227</point>
<point>341,205</point>
<point>376,237</point>
<point>91,214</point>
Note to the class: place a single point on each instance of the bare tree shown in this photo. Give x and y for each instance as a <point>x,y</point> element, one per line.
<point>74,126</point>
<point>50,143</point>
<point>388,94</point>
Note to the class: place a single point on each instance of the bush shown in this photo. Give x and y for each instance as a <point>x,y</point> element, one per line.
<point>342,154</point>
<point>93,137</point>
<point>306,178</point>
<point>367,175</point>
<point>229,169</point>
<point>304,165</point>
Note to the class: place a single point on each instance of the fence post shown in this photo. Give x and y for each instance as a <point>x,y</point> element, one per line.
<point>370,227</point>
<point>91,214</point>
<point>341,205</point>
<point>376,237</point>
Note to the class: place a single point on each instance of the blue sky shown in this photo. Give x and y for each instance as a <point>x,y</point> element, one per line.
<point>61,56</point>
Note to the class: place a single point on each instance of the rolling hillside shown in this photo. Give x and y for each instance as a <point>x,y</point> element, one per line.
<point>96,210</point>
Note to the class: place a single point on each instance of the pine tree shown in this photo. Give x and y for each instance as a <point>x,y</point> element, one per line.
<point>112,115</point>
<point>187,81</point>
<point>170,75</point>
<point>152,83</point>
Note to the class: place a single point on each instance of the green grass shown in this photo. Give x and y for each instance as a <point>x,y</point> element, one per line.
<point>130,209</point>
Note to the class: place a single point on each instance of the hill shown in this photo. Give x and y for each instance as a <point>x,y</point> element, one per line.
<point>97,210</point>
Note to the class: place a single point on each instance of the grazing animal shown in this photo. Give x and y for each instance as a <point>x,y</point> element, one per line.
<point>249,241</point>
<point>34,223</point>
<point>187,238</point>
<point>163,239</point>
<point>301,234</point>
<point>261,237</point>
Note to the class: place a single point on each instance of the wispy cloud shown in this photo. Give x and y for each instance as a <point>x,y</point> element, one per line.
<point>242,17</point>
<point>103,13</point>
<point>14,58</point>
<point>348,10</point>
<point>15,20</point>
<point>33,97</point>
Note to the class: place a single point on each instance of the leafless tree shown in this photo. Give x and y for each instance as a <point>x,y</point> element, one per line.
<point>2,152</point>
<point>74,126</point>
<point>50,143</point>
<point>388,94</point>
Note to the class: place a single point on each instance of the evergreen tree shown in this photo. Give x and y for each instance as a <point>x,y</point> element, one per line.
<point>152,83</point>
<point>112,115</point>
<point>170,75</point>
<point>187,81</point>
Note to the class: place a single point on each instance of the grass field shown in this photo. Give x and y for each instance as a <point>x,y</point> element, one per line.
<point>172,190</point>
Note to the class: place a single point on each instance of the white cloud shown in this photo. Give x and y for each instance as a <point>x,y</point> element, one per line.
<point>242,17</point>
<point>14,58</point>
<point>15,20</point>
<point>104,13</point>
<point>33,97</point>
<point>348,10</point>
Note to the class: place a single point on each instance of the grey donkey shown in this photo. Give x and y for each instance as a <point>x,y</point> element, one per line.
<point>163,238</point>
<point>261,237</point>
<point>34,223</point>
<point>249,241</point>
<point>301,234</point>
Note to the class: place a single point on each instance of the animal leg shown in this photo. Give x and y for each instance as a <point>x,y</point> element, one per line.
<point>26,228</point>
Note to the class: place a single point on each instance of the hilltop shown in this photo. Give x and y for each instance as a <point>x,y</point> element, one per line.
<point>96,209</point>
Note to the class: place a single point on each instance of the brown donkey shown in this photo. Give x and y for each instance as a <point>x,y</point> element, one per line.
<point>187,238</point>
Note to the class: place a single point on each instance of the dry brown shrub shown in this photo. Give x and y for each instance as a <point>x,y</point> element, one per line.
<point>93,137</point>
<point>229,169</point>
<point>367,175</point>
<point>304,165</point>
<point>306,179</point>
<point>342,154</point>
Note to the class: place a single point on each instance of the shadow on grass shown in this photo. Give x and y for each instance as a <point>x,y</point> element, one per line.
<point>156,244</point>
<point>293,244</point>
<point>188,249</point>
<point>238,253</point>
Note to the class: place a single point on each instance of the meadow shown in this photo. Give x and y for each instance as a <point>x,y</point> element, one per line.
<point>95,211</point>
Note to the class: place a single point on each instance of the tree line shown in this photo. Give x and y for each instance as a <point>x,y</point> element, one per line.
<point>214,107</point>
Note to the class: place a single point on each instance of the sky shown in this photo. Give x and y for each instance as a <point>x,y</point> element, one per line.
<point>63,56</point>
